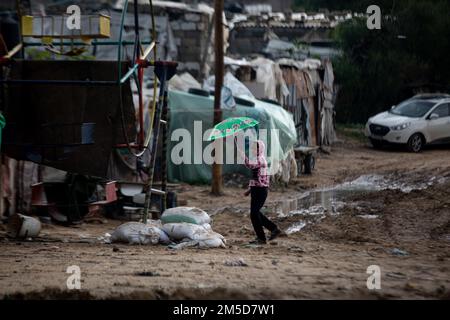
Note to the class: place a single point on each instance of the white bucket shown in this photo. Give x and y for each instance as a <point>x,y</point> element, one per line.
<point>21,226</point>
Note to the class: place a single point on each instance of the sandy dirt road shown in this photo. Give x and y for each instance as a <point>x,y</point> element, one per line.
<point>408,237</point>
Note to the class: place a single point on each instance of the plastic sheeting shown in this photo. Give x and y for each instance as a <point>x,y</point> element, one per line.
<point>167,48</point>
<point>187,108</point>
<point>269,73</point>
<point>328,134</point>
<point>184,82</point>
<point>229,81</point>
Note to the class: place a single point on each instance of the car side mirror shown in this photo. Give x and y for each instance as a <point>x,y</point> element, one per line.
<point>433,116</point>
<point>392,107</point>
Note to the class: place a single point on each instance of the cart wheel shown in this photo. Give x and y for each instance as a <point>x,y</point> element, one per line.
<point>136,73</point>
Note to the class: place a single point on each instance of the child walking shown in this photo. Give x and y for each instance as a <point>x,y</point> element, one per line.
<point>258,190</point>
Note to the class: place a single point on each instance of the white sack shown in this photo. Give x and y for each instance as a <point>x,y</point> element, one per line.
<point>136,233</point>
<point>185,214</point>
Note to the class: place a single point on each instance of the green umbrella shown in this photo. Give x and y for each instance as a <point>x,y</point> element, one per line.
<point>231,126</point>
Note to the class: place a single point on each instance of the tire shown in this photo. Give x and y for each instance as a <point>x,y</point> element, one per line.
<point>416,143</point>
<point>376,144</point>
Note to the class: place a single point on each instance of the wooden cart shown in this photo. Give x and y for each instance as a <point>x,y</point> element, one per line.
<point>305,158</point>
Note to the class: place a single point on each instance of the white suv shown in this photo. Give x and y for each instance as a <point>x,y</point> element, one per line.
<point>418,121</point>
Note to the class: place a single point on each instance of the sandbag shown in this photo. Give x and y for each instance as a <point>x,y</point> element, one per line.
<point>136,233</point>
<point>185,214</point>
<point>183,230</point>
<point>195,234</point>
<point>163,237</point>
<point>202,244</point>
<point>211,243</point>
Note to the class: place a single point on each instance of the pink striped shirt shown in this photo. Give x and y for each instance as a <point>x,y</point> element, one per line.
<point>260,177</point>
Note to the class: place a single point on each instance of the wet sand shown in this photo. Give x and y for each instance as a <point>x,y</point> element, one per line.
<point>407,234</point>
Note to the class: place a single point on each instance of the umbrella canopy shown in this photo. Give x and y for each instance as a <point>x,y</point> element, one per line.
<point>231,126</point>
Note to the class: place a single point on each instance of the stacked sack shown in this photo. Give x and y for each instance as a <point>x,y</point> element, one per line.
<point>140,233</point>
<point>191,226</point>
<point>187,225</point>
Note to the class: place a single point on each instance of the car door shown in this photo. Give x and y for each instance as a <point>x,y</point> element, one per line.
<point>439,128</point>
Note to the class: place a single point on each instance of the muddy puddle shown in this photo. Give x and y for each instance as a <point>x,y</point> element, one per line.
<point>313,206</point>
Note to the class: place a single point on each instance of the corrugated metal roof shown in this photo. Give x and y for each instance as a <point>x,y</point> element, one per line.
<point>279,24</point>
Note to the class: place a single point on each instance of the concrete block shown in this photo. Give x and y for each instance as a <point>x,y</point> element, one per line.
<point>175,25</point>
<point>177,41</point>
<point>192,17</point>
<point>192,65</point>
<point>201,26</point>
<point>190,42</point>
<point>188,26</point>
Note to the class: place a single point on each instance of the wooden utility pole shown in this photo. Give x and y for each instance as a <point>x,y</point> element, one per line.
<point>219,70</point>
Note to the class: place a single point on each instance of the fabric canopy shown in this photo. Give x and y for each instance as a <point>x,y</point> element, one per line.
<point>186,109</point>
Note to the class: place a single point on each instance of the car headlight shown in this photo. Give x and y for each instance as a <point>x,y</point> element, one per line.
<point>402,126</point>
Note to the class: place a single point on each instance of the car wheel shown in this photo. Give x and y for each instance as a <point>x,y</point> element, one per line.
<point>416,142</point>
<point>376,143</point>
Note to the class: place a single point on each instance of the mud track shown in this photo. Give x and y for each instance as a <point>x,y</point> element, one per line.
<point>407,235</point>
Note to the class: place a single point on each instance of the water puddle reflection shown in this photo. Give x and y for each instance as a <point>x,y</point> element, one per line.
<point>315,205</point>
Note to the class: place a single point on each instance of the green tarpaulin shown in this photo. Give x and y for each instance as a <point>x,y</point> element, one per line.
<point>186,109</point>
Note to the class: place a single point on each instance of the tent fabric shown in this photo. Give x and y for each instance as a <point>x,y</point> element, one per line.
<point>186,108</point>
<point>230,81</point>
<point>328,133</point>
<point>184,82</point>
<point>269,73</point>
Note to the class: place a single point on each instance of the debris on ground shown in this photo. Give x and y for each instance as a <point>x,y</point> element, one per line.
<point>147,274</point>
<point>24,227</point>
<point>399,252</point>
<point>239,262</point>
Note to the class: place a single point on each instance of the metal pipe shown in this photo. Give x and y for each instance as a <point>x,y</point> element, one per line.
<point>119,47</point>
<point>94,43</point>
<point>165,137</point>
<point>155,136</point>
<point>129,73</point>
<point>62,82</point>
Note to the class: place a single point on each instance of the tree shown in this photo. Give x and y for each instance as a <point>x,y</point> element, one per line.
<point>379,68</point>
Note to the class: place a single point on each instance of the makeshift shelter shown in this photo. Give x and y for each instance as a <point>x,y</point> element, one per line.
<point>186,108</point>
<point>327,98</point>
<point>311,99</point>
<point>300,102</point>
<point>303,87</point>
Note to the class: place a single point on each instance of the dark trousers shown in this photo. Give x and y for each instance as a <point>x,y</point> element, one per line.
<point>258,197</point>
